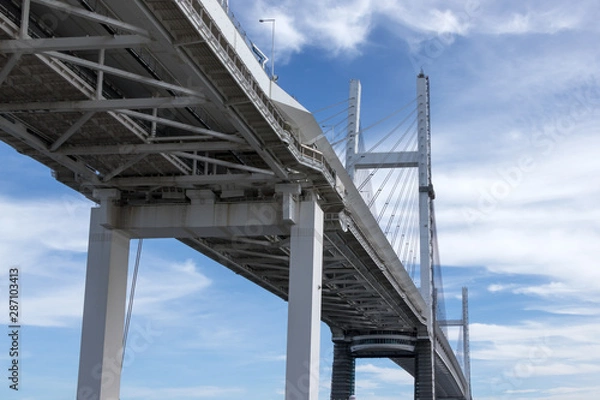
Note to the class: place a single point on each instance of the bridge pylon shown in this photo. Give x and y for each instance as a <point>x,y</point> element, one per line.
<point>422,346</point>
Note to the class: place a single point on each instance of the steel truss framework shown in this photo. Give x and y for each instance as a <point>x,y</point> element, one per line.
<point>151,100</point>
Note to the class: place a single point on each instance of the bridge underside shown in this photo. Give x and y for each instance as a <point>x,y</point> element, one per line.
<point>153,99</point>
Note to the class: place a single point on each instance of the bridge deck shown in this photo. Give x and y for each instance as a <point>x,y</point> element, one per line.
<point>188,107</point>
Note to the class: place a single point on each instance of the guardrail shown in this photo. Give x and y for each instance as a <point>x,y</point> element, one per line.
<point>213,33</point>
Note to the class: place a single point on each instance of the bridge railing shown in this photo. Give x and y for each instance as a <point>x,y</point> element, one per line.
<point>250,85</point>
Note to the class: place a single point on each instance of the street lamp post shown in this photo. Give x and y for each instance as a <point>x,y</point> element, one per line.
<point>272,20</point>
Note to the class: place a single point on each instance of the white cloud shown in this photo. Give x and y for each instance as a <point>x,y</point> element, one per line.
<point>550,18</point>
<point>377,375</point>
<point>32,228</point>
<point>498,287</point>
<point>57,306</point>
<point>345,26</point>
<point>161,281</point>
<point>537,343</point>
<point>47,240</point>
<point>187,393</point>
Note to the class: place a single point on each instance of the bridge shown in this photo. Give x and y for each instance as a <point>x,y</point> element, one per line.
<point>160,112</point>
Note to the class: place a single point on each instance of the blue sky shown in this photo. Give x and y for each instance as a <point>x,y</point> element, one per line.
<point>515,94</point>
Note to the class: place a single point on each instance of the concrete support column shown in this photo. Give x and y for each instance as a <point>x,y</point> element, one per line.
<point>304,303</point>
<point>343,371</point>
<point>103,311</point>
<point>424,370</point>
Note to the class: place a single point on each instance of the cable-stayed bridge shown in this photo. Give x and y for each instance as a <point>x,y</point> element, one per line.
<point>159,111</point>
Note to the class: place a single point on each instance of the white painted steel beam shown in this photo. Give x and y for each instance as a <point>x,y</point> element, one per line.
<point>101,105</point>
<point>424,169</point>
<point>182,126</point>
<point>71,131</point>
<point>100,76</point>
<point>406,159</point>
<point>92,16</point>
<point>222,163</point>
<point>353,133</point>
<point>8,67</point>
<point>25,10</point>
<point>19,131</point>
<point>33,46</point>
<point>103,312</point>
<point>202,219</point>
<point>123,167</point>
<point>304,304</point>
<point>123,74</point>
<point>194,180</point>
<point>151,148</point>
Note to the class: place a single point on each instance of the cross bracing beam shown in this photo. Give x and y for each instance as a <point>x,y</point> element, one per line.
<point>216,220</point>
<point>100,105</point>
<point>92,16</point>
<point>25,10</point>
<point>350,278</point>
<point>20,131</point>
<point>8,67</point>
<point>365,303</point>
<point>404,159</point>
<point>258,264</point>
<point>33,46</point>
<point>263,266</point>
<point>223,163</point>
<point>123,167</point>
<point>350,288</point>
<point>193,180</point>
<point>71,131</point>
<point>451,322</point>
<point>365,296</point>
<point>152,148</point>
<point>267,242</point>
<point>262,255</point>
<point>123,74</point>
<point>182,126</point>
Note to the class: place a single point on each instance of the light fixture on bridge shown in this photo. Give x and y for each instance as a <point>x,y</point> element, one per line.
<point>272,21</point>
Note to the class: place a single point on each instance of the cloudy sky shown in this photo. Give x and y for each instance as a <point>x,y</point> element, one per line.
<point>515,93</point>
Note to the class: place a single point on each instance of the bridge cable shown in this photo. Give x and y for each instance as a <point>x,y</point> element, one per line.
<point>389,153</point>
<point>383,139</point>
<point>334,115</point>
<point>388,116</point>
<point>131,297</point>
<point>401,175</point>
<point>405,214</point>
<point>437,269</point>
<point>405,194</point>
<point>406,225</point>
<point>331,106</point>
<point>400,199</point>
